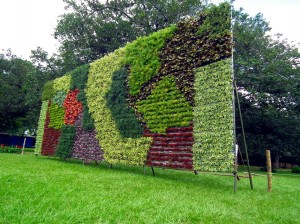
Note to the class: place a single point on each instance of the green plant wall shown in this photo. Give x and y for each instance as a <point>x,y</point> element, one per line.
<point>116,148</point>
<point>163,99</point>
<point>213,118</point>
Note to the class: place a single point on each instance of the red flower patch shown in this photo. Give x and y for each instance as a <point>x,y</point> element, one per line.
<point>73,107</point>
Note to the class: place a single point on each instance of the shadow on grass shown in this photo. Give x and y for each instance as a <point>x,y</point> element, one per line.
<point>174,176</point>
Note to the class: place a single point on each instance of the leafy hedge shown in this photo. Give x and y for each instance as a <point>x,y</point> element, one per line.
<point>41,127</point>
<point>116,148</point>
<point>213,118</point>
<point>165,107</point>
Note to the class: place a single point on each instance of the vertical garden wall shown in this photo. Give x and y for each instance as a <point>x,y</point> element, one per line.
<point>163,100</point>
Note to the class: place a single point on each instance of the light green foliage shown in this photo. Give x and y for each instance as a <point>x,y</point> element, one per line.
<point>213,118</point>
<point>48,91</point>
<point>59,98</point>
<point>40,130</point>
<point>217,21</point>
<point>56,116</point>
<point>116,148</point>
<point>143,57</point>
<point>165,107</point>
<point>62,83</point>
<point>66,141</point>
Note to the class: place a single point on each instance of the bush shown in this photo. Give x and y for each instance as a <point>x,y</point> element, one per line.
<point>264,169</point>
<point>296,169</point>
<point>7,149</point>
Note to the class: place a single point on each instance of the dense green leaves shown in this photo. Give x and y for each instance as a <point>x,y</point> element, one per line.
<point>165,107</point>
<point>66,141</point>
<point>217,21</point>
<point>143,57</point>
<point>21,85</point>
<point>124,116</point>
<point>213,118</point>
<point>268,76</point>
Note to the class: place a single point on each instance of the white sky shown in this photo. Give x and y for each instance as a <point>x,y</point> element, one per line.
<point>27,24</point>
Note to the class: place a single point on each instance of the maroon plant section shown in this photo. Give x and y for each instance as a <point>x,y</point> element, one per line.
<point>173,150</point>
<point>86,146</point>
<point>50,138</point>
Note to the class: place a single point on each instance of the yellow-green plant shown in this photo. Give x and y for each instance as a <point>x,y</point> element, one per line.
<point>62,83</point>
<point>41,126</point>
<point>117,149</point>
<point>213,118</point>
<point>56,116</point>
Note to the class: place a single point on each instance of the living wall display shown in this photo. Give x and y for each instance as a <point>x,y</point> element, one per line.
<point>163,100</point>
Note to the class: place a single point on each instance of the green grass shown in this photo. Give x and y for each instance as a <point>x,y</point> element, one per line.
<point>43,190</point>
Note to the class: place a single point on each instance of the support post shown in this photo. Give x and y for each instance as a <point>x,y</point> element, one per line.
<point>235,173</point>
<point>152,170</point>
<point>244,136</point>
<point>269,170</point>
<point>23,146</point>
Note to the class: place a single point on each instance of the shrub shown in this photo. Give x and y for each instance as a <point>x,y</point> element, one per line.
<point>296,169</point>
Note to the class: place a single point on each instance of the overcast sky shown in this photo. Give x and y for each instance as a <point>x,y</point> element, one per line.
<point>27,24</point>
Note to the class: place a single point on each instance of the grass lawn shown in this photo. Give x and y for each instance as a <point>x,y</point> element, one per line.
<point>43,190</point>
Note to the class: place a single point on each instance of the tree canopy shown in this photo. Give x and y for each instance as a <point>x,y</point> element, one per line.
<point>268,76</point>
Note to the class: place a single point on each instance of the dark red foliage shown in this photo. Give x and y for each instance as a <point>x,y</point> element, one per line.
<point>86,146</point>
<point>173,150</point>
<point>50,138</point>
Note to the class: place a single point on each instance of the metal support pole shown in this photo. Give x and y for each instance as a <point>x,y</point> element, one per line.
<point>152,170</point>
<point>269,170</point>
<point>235,173</point>
<point>244,136</point>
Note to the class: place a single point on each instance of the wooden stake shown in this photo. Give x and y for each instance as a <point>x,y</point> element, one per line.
<point>269,170</point>
<point>24,143</point>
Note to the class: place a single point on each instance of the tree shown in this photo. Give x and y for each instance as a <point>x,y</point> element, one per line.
<point>21,85</point>
<point>92,29</point>
<point>267,73</point>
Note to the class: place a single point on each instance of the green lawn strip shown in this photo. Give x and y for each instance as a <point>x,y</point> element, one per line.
<point>43,190</point>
